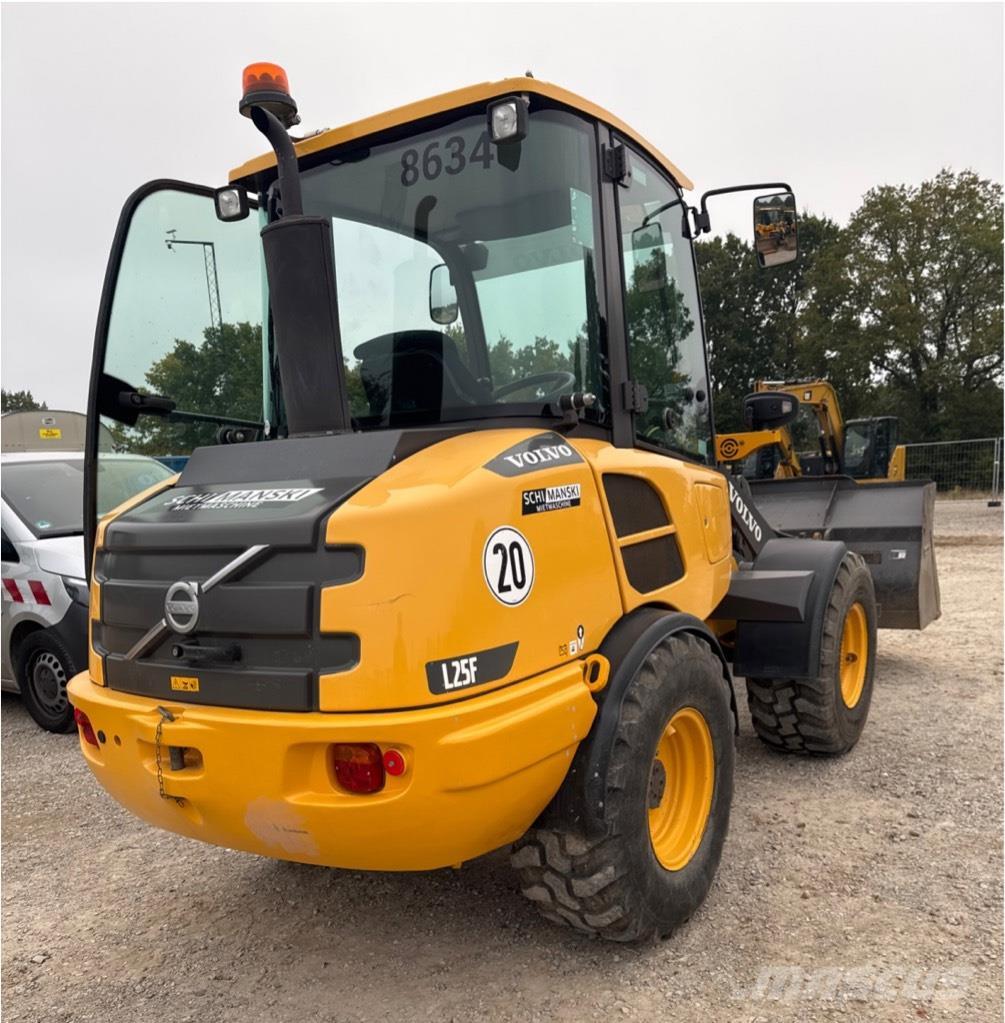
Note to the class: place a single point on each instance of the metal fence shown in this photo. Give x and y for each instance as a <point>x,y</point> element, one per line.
<point>960,468</point>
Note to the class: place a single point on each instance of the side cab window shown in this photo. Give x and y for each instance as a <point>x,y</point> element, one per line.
<point>666,351</point>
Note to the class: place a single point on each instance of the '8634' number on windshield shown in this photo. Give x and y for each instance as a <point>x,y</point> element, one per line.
<point>450,157</point>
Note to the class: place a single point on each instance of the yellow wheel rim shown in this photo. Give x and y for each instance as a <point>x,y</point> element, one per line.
<point>680,788</point>
<point>854,654</point>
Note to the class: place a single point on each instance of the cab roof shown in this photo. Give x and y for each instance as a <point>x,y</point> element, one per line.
<point>452,100</point>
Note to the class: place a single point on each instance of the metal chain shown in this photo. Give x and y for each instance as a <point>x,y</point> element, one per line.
<point>166,715</point>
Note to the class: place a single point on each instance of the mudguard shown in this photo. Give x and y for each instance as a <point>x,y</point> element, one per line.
<point>581,797</point>
<point>767,647</point>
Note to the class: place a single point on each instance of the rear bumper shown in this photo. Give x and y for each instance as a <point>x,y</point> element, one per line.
<point>479,772</point>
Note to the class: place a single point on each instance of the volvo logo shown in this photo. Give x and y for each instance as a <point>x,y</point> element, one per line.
<point>181,606</point>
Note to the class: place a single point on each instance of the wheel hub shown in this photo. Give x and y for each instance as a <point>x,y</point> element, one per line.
<point>854,654</point>
<point>681,783</point>
<point>48,681</point>
<point>657,784</point>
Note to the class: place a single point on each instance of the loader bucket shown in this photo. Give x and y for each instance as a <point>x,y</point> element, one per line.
<point>889,524</point>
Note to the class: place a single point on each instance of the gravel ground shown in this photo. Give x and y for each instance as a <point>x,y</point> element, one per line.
<point>863,888</point>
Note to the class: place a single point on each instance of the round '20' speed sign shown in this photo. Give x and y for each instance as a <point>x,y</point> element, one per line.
<point>508,564</point>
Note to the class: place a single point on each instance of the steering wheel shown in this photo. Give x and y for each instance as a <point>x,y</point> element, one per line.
<point>563,382</point>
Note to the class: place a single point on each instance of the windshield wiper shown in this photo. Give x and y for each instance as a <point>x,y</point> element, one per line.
<point>125,404</point>
<point>158,405</point>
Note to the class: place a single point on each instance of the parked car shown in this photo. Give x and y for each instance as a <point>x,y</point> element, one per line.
<point>45,597</point>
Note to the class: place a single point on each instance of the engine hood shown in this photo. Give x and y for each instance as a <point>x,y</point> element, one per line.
<point>393,570</point>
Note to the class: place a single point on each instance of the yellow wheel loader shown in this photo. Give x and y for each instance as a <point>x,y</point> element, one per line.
<point>450,566</point>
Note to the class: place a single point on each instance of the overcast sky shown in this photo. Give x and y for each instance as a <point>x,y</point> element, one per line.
<point>98,98</point>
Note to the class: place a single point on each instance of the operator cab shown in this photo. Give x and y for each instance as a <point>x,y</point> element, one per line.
<point>537,274</point>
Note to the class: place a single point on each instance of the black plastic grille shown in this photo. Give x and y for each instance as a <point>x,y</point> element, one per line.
<point>635,506</point>
<point>258,642</point>
<point>653,564</point>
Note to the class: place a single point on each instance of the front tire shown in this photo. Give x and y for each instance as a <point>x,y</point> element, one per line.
<point>665,811</point>
<point>824,716</point>
<point>46,667</point>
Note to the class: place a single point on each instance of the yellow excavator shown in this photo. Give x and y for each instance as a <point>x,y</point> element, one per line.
<point>805,468</point>
<point>451,565</point>
<point>865,449</point>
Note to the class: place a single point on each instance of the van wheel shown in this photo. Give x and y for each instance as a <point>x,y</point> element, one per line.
<point>824,716</point>
<point>665,811</point>
<point>46,667</point>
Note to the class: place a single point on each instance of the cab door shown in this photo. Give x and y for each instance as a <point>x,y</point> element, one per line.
<point>668,508</point>
<point>663,324</point>
<point>179,352</point>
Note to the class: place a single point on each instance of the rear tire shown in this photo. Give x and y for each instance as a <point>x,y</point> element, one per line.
<point>824,716</point>
<point>665,811</point>
<point>45,668</point>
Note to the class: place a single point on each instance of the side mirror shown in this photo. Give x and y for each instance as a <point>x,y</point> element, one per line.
<point>443,306</point>
<point>649,257</point>
<point>769,410</point>
<point>9,552</point>
<point>775,229</point>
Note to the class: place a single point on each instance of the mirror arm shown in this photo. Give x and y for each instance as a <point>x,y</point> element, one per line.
<point>702,221</point>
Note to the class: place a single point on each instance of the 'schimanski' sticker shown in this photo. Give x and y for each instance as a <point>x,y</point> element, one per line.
<point>230,499</point>
<point>546,499</point>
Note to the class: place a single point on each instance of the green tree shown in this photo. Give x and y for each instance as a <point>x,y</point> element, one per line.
<point>20,401</point>
<point>659,320</point>
<point>754,316</point>
<point>909,304</point>
<point>222,376</point>
<point>510,363</point>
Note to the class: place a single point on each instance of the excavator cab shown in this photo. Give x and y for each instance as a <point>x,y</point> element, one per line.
<point>869,446</point>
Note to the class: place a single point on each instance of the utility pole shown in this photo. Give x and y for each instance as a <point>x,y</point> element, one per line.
<point>212,282</point>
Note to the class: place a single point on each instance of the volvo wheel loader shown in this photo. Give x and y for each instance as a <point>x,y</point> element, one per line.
<point>451,566</point>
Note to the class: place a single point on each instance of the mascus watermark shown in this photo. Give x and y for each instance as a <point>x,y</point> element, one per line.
<point>941,985</point>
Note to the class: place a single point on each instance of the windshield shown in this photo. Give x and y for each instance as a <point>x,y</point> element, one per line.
<point>466,271</point>
<point>48,495</point>
<point>467,288</point>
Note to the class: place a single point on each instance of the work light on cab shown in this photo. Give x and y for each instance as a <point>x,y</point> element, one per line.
<point>265,85</point>
<point>231,203</point>
<point>508,119</point>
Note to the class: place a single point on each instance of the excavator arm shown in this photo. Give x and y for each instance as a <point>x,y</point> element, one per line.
<point>821,397</point>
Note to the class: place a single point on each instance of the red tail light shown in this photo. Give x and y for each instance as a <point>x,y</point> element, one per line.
<point>84,724</point>
<point>10,585</point>
<point>358,766</point>
<point>394,762</point>
<point>38,591</point>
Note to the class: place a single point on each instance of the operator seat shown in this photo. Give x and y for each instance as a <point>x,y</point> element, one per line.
<point>410,375</point>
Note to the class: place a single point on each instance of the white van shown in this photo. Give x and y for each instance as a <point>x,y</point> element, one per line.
<point>45,598</point>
